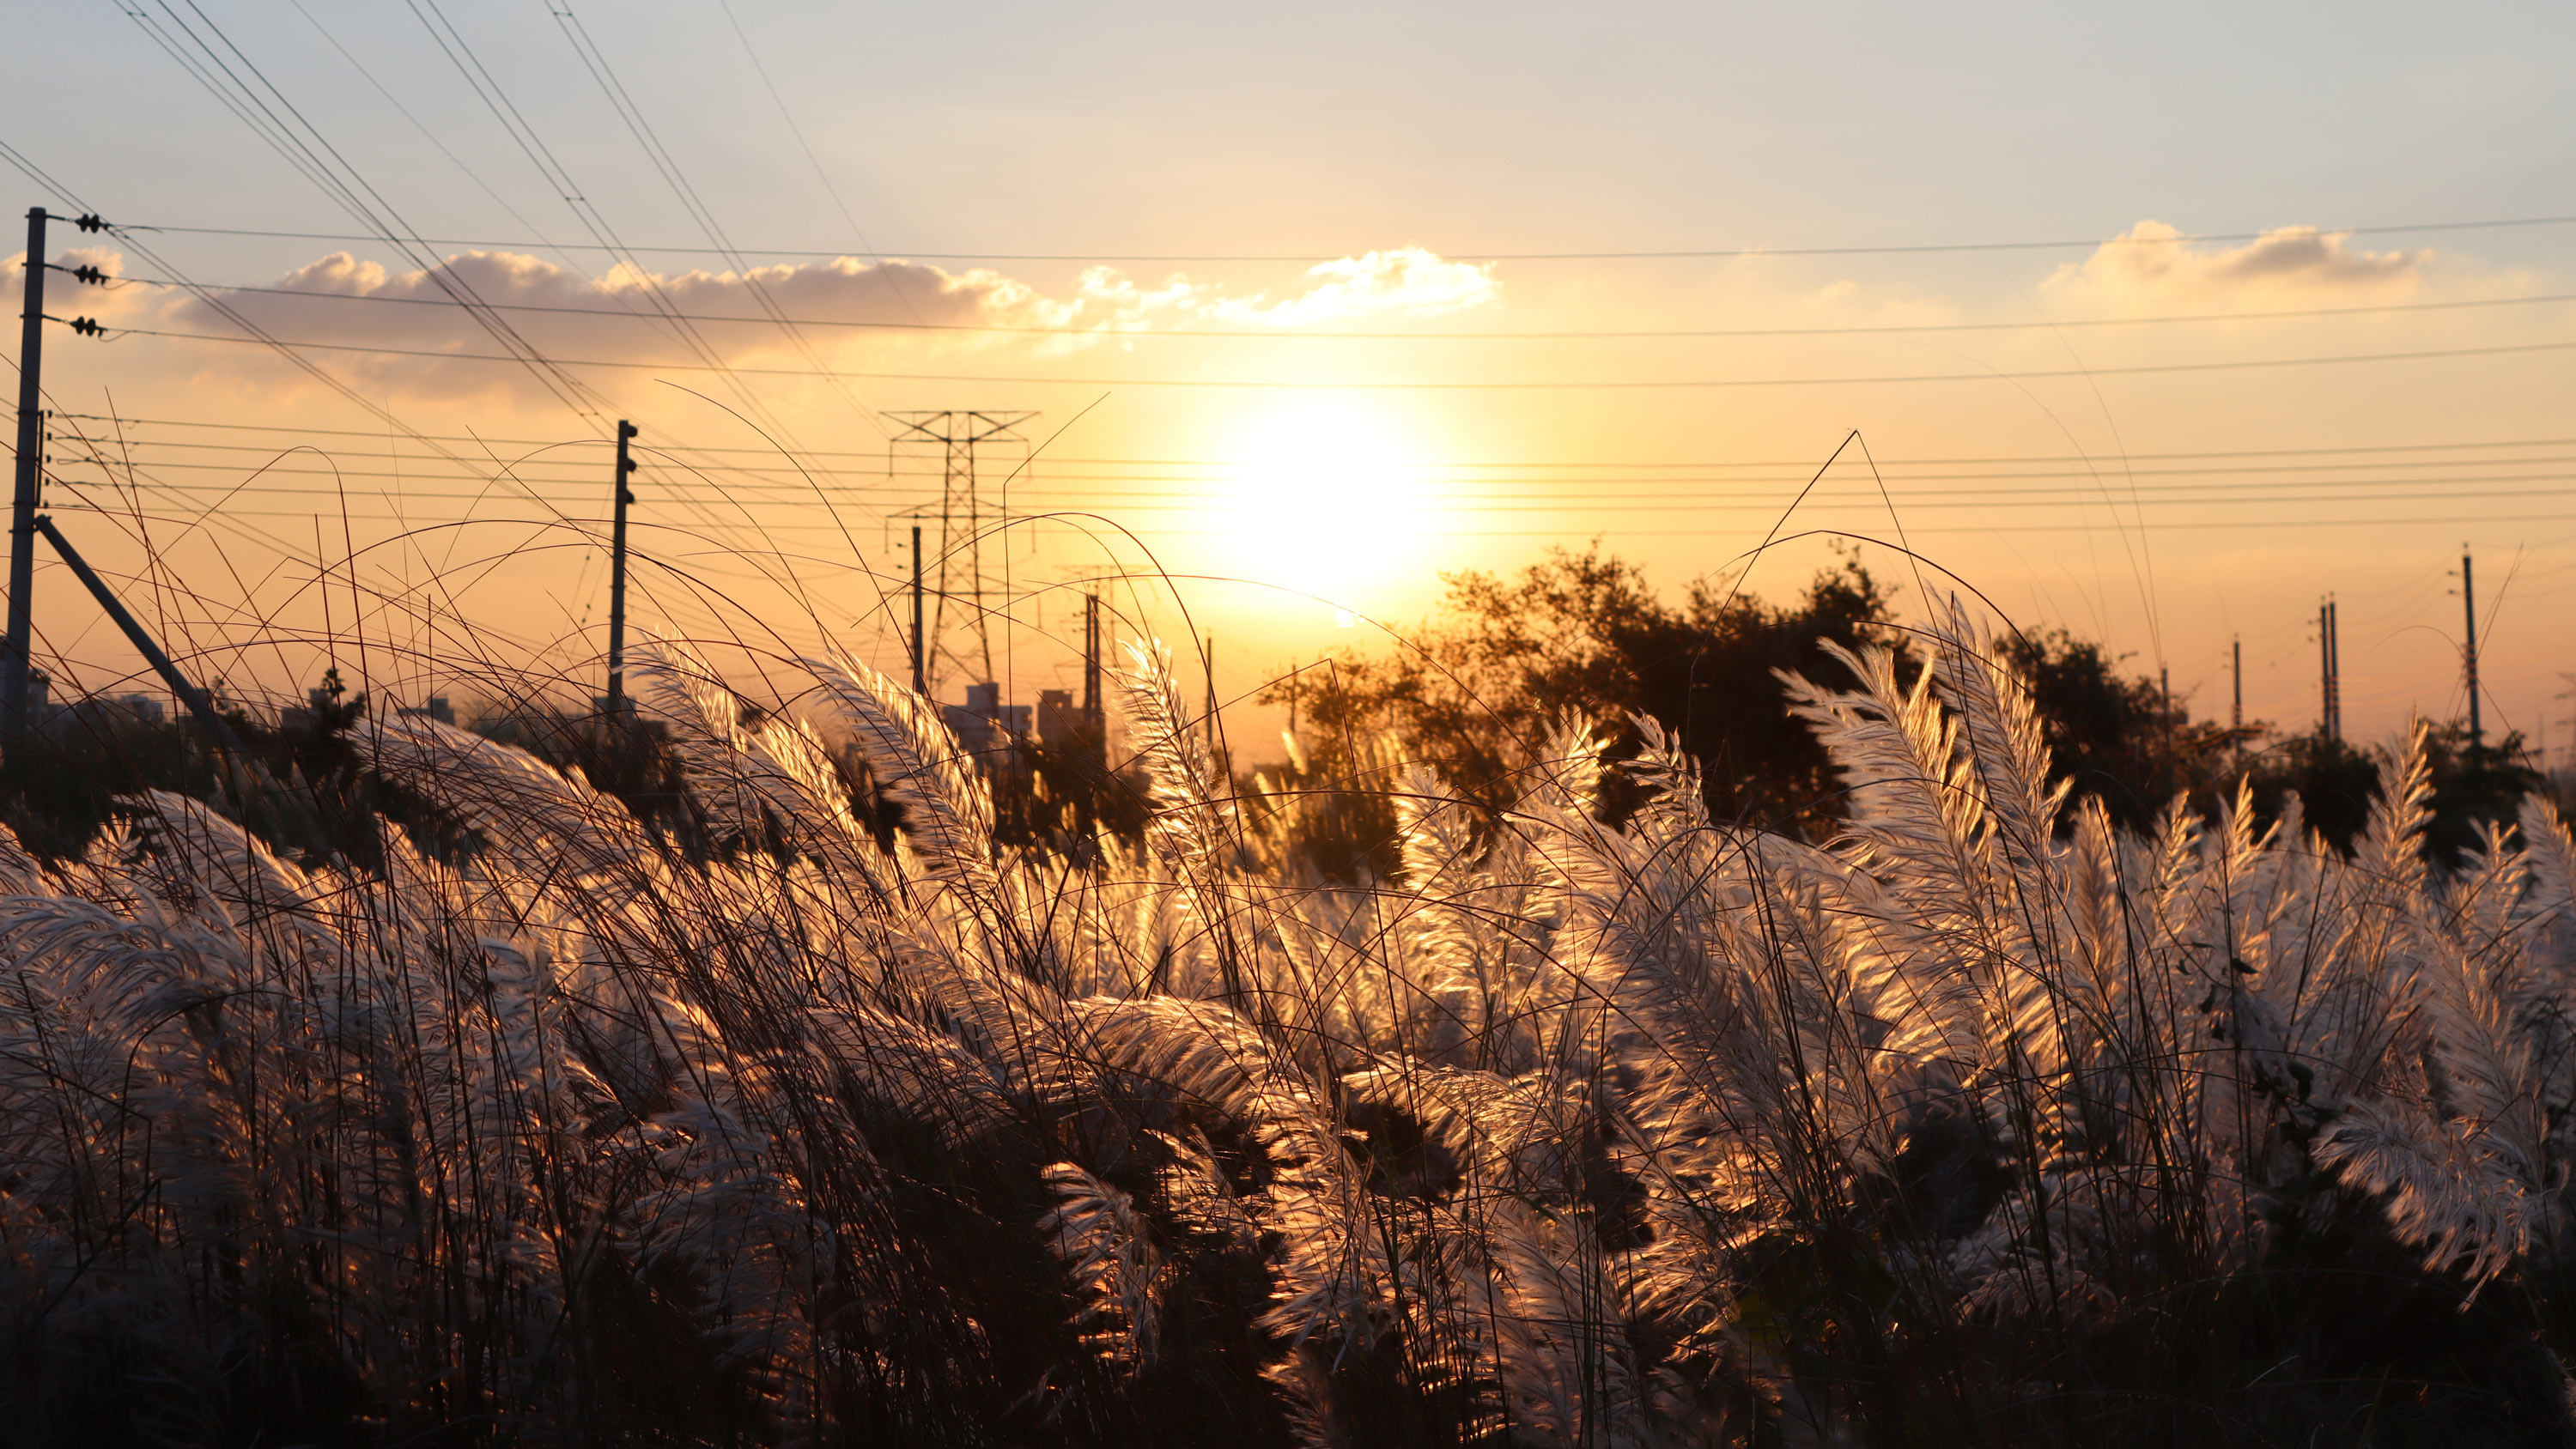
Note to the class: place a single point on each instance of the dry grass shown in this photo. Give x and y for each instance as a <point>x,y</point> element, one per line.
<point>1975,1125</point>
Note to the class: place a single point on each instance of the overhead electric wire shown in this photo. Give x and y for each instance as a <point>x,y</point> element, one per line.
<point>1574,335</point>
<point>2309,525</point>
<point>1583,385</point>
<point>785,114</point>
<point>336,176</point>
<point>2194,481</point>
<point>2193,486</point>
<point>596,62</point>
<point>364,403</point>
<point>460,53</point>
<point>1469,507</point>
<point>1593,482</point>
<point>396,233</point>
<point>217,304</point>
<point>1676,254</point>
<point>417,124</point>
<point>300,430</point>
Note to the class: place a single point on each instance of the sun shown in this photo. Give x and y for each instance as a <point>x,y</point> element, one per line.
<point>1326,499</point>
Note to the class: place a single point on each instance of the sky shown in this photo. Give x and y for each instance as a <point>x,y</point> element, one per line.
<point>2156,324</point>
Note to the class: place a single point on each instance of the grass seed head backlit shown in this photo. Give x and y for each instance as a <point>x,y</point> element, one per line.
<point>1976,1117</point>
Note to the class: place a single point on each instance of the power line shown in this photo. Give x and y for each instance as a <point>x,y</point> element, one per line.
<point>2302,524</point>
<point>1556,463</point>
<point>460,53</point>
<point>620,100</point>
<point>297,142</point>
<point>2217,487</point>
<point>2230,487</point>
<point>1571,469</point>
<point>1679,254</point>
<point>1301,334</point>
<point>2128,370</point>
<point>2206,496</point>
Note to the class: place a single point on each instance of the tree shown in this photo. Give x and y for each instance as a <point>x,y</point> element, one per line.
<point>1478,693</point>
<point>2118,739</point>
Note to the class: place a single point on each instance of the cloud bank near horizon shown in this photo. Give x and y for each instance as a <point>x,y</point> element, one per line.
<point>897,315</point>
<point>631,315</point>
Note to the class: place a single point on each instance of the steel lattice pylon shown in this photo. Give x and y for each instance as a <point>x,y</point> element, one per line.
<point>961,576</point>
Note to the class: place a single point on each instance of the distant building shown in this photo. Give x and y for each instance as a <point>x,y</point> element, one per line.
<point>103,715</point>
<point>1065,730</point>
<point>41,709</point>
<point>1058,721</point>
<point>986,728</point>
<point>143,707</point>
<point>435,707</point>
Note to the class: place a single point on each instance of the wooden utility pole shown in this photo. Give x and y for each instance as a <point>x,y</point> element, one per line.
<point>2236,716</point>
<point>2330,719</point>
<point>2334,660</point>
<point>2469,652</point>
<point>617,575</point>
<point>14,650</point>
<point>920,666</point>
<point>1091,701</point>
<point>2330,668</point>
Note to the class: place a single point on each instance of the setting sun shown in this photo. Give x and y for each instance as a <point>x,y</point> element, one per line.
<point>1327,500</point>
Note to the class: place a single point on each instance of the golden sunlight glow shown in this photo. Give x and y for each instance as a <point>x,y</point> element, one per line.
<point>1328,500</point>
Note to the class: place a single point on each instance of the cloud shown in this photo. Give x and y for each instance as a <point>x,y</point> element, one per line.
<point>625,314</point>
<point>1408,282</point>
<point>1405,282</point>
<point>623,309</point>
<point>2149,268</point>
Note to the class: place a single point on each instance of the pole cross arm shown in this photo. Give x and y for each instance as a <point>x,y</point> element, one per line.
<point>197,701</point>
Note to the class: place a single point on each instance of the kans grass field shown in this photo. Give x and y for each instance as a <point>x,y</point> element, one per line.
<point>823,1118</point>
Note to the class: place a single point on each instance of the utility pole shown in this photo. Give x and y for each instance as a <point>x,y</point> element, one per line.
<point>2236,715</point>
<point>2330,663</point>
<point>1091,702</point>
<point>2334,660</point>
<point>919,687</point>
<point>2330,701</point>
<point>1208,657</point>
<point>2469,654</point>
<point>617,575</point>
<point>22,508</point>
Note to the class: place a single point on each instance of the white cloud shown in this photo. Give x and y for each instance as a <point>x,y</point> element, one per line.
<point>2150,267</point>
<point>1404,282</point>
<point>855,304</point>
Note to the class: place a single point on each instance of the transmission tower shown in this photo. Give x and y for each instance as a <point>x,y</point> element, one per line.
<point>961,575</point>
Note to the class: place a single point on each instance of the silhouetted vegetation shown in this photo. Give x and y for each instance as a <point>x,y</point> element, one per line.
<point>1471,693</point>
<point>726,1108</point>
